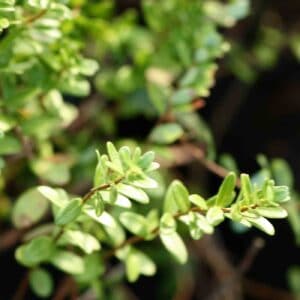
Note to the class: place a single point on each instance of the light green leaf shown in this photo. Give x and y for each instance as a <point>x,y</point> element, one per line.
<point>145,183</point>
<point>225,194</point>
<point>115,232</point>
<point>57,196</point>
<point>272,212</point>
<point>215,215</point>
<point>100,176</point>
<point>135,223</point>
<point>51,171</point>
<point>282,172</point>
<point>281,194</point>
<point>246,188</point>
<point>68,262</point>
<point>198,201</point>
<point>114,157</point>
<point>174,244</point>
<point>158,96</point>
<point>70,212</point>
<point>203,224</point>
<point>6,123</point>
<point>138,263</point>
<point>34,252</point>
<point>183,96</point>
<point>133,193</point>
<point>166,133</point>
<point>180,195</point>
<point>9,145</point>
<point>167,224</point>
<point>83,240</point>
<point>41,282</point>
<point>29,208</point>
<point>263,224</point>
<point>93,268</point>
<point>121,200</point>
<point>146,159</point>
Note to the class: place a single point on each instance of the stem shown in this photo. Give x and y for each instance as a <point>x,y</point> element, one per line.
<point>211,165</point>
<point>26,146</point>
<point>105,186</point>
<point>136,239</point>
<point>22,288</point>
<point>35,17</point>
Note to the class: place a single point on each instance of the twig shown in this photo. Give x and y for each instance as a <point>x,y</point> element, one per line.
<point>35,17</point>
<point>27,149</point>
<point>105,186</point>
<point>10,238</point>
<point>256,245</point>
<point>209,164</point>
<point>261,291</point>
<point>64,289</point>
<point>136,239</point>
<point>214,254</point>
<point>22,288</point>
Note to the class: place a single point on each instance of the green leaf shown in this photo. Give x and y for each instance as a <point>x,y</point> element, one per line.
<point>135,223</point>
<point>57,196</point>
<point>229,163</point>
<point>246,188</point>
<point>29,208</point>
<point>146,159</point>
<point>101,170</point>
<point>225,194</point>
<point>121,200</point>
<point>98,204</point>
<point>167,224</point>
<point>68,262</point>
<point>263,224</point>
<point>133,193</point>
<point>36,251</point>
<point>166,133</point>
<point>272,212</point>
<point>6,123</point>
<point>138,263</point>
<point>145,183</point>
<point>4,23</point>
<point>113,195</point>
<point>281,194</point>
<point>50,171</point>
<point>9,145</point>
<point>174,244</point>
<point>83,240</point>
<point>180,195</point>
<point>41,282</point>
<point>114,157</point>
<point>203,224</point>
<point>115,232</point>
<point>183,96</point>
<point>198,201</point>
<point>282,172</point>
<point>70,212</point>
<point>88,66</point>
<point>93,268</point>
<point>158,96</point>
<point>215,215</point>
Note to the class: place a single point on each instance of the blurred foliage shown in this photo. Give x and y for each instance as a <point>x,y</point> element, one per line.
<point>70,73</point>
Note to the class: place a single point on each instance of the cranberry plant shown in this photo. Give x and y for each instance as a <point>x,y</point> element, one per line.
<point>69,71</point>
